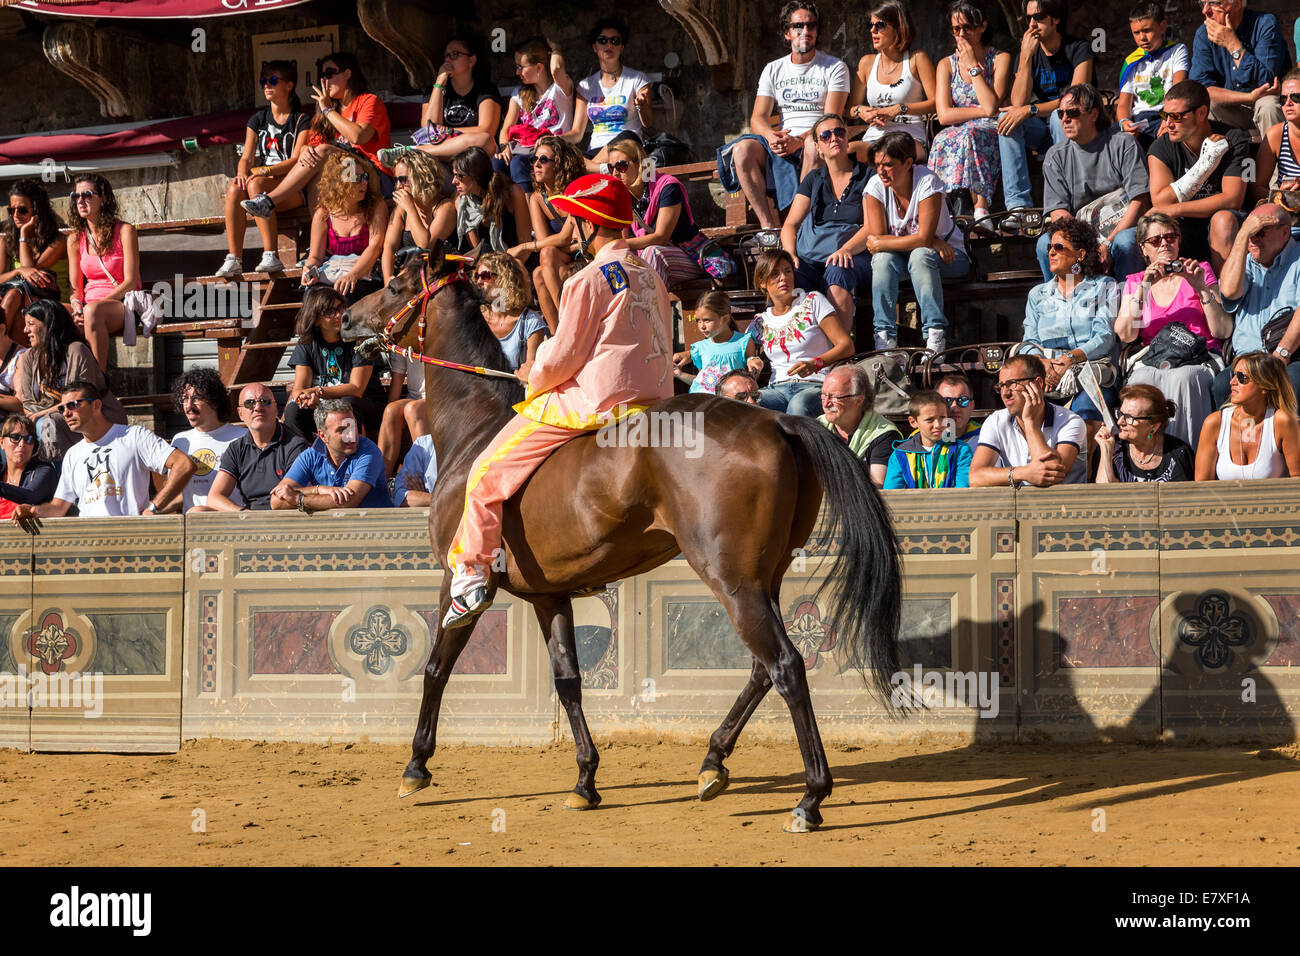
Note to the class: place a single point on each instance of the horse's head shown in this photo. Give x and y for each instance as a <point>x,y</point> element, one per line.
<point>400,303</point>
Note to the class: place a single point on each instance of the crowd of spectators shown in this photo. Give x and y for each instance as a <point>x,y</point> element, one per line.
<point>1158,347</point>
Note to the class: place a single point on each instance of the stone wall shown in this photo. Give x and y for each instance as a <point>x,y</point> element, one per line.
<point>1135,612</point>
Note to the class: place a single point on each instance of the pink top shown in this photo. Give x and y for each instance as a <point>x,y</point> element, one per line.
<point>612,346</point>
<point>1185,308</point>
<point>337,245</point>
<point>97,282</point>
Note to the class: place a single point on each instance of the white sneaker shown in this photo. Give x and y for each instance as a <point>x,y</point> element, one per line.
<point>936,340</point>
<point>231,267</point>
<point>885,341</point>
<point>270,262</point>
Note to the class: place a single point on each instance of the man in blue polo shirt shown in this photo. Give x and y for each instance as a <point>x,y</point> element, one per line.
<point>341,470</point>
<point>1259,279</point>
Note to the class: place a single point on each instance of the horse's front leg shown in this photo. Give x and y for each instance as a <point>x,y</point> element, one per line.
<point>555,614</point>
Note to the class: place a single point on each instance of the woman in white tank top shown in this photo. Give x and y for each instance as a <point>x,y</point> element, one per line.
<point>893,87</point>
<point>1256,435</point>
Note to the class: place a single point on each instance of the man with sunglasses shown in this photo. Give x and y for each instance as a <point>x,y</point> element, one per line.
<point>960,398</point>
<point>803,86</point>
<point>1197,172</point>
<point>1259,281</point>
<point>1031,441</point>
<point>257,461</point>
<point>1050,61</point>
<point>108,473</point>
<point>1239,55</point>
<point>1098,174</point>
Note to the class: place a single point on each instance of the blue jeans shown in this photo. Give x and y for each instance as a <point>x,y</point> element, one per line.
<point>815,277</point>
<point>1126,257</point>
<point>927,271</point>
<point>795,397</point>
<point>1033,133</point>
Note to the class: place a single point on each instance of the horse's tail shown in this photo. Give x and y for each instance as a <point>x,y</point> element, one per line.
<point>865,580</point>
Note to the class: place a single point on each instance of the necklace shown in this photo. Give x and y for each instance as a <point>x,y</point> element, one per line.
<point>1144,461</point>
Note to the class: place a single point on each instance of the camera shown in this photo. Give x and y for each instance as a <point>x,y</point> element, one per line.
<point>1174,268</point>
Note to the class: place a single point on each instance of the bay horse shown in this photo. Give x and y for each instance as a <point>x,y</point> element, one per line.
<point>739,512</point>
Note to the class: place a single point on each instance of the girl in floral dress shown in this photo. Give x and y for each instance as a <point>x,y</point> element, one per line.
<point>971,86</point>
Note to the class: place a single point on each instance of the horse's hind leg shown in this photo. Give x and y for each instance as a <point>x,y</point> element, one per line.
<point>763,632</point>
<point>556,618</point>
<point>713,775</point>
<point>447,646</point>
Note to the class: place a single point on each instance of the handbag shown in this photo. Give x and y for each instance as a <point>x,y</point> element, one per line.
<point>665,150</point>
<point>138,305</point>
<point>1174,346</point>
<point>814,243</point>
<point>1273,330</point>
<point>892,385</point>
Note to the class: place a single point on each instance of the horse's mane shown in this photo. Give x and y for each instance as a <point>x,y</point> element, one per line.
<point>472,343</point>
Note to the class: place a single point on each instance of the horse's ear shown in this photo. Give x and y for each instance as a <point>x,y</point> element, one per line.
<point>434,261</point>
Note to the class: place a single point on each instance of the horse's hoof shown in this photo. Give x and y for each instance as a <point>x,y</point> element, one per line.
<point>576,801</point>
<point>798,822</point>
<point>713,782</point>
<point>410,785</point>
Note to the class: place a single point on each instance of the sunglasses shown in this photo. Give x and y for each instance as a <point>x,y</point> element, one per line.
<point>1241,378</point>
<point>18,439</point>
<point>252,403</point>
<point>20,210</point>
<point>1073,113</point>
<point>1168,239</point>
<point>401,180</point>
<point>878,25</point>
<point>622,166</point>
<point>1124,417</point>
<point>1040,17</point>
<point>543,160</point>
<point>826,135</point>
<point>1059,247</point>
<point>1175,117</point>
<point>269,80</point>
<point>88,195</point>
<point>1291,98</point>
<point>804,25</point>
<point>609,41</point>
<point>70,405</point>
<point>330,72</point>
<point>963,28</point>
<point>961,402</point>
<point>485,276</point>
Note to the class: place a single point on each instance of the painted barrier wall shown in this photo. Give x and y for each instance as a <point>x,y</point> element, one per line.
<point>1128,612</point>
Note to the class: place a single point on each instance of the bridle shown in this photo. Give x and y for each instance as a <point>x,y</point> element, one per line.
<point>419,303</point>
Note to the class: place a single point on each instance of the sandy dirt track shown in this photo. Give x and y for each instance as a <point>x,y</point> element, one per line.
<point>925,804</point>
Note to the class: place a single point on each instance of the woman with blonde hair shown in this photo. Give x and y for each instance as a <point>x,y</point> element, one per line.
<point>556,163</point>
<point>544,104</point>
<point>664,233</point>
<point>347,230</point>
<point>1256,434</point>
<point>506,291</point>
<point>421,212</point>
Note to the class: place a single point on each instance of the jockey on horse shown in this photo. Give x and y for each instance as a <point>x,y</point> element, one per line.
<point>610,357</point>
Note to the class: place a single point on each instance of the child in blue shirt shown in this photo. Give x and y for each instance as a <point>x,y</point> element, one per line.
<point>932,456</point>
<point>722,349</point>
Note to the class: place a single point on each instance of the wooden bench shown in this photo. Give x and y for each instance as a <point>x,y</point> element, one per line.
<point>293,231</point>
<point>737,208</point>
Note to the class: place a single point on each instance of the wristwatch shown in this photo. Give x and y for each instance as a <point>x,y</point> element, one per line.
<point>902,109</point>
<point>1033,109</point>
<point>1011,477</point>
<point>1236,54</point>
<point>151,507</point>
<point>976,71</point>
<point>302,502</point>
<point>1283,353</point>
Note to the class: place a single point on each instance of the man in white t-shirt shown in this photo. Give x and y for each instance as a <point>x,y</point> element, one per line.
<point>201,396</point>
<point>802,87</point>
<point>107,473</point>
<point>1031,441</point>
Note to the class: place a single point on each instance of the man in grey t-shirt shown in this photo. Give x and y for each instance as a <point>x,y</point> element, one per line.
<point>1089,164</point>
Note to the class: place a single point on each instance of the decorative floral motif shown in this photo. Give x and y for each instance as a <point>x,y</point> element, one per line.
<point>1213,631</point>
<point>379,641</point>
<point>809,633</point>
<point>51,643</point>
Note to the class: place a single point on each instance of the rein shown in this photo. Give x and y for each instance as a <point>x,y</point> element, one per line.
<point>420,303</point>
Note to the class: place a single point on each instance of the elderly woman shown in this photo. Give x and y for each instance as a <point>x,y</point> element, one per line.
<point>25,479</point>
<point>1068,318</point>
<point>1255,435</point>
<point>1172,289</point>
<point>824,218</point>
<point>1141,449</point>
<point>58,355</point>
